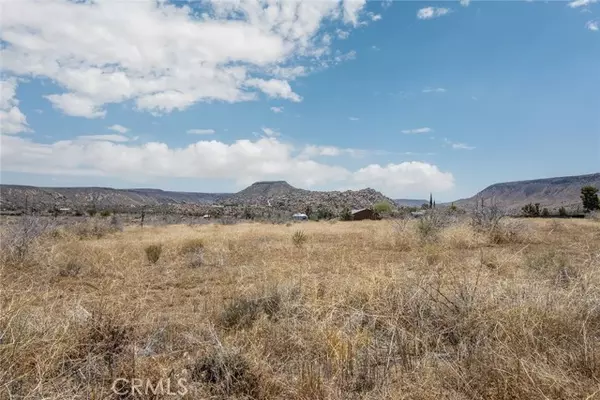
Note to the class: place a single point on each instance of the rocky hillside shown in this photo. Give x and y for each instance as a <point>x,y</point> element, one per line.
<point>551,193</point>
<point>282,195</point>
<point>277,195</point>
<point>16,197</point>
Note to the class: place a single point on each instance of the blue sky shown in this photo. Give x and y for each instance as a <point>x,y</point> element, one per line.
<point>405,97</point>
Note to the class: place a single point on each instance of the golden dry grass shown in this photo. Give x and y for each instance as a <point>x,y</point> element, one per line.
<point>354,310</point>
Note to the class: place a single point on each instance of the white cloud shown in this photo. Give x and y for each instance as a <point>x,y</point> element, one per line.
<point>432,12</point>
<point>118,128</point>
<point>76,106</point>
<point>581,3</point>
<point>275,88</point>
<point>417,131</point>
<point>353,118</point>
<point>373,16</point>
<point>434,90</point>
<point>270,132</point>
<point>115,52</point>
<point>462,146</point>
<point>375,48</point>
<point>266,158</point>
<point>12,120</point>
<point>341,34</point>
<point>592,26</point>
<point>465,3</point>
<point>407,177</point>
<point>311,151</point>
<point>277,110</point>
<point>107,138</point>
<point>200,131</point>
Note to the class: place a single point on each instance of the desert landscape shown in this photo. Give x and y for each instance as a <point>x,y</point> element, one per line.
<point>441,307</point>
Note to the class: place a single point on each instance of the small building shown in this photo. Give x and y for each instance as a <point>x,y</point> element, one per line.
<point>206,216</point>
<point>364,213</point>
<point>300,217</point>
<point>418,214</point>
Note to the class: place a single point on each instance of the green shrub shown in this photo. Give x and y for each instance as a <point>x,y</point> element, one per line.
<point>105,213</point>
<point>346,215</point>
<point>383,207</point>
<point>153,252</point>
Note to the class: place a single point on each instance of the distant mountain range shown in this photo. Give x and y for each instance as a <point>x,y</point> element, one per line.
<point>280,195</point>
<point>551,193</point>
<point>277,195</point>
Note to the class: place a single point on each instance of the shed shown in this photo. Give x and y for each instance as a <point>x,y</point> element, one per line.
<point>300,217</point>
<point>364,213</point>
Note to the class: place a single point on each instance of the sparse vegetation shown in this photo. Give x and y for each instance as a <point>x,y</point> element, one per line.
<point>492,308</point>
<point>299,238</point>
<point>153,252</point>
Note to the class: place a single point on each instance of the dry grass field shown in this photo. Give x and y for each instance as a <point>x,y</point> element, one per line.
<point>317,310</point>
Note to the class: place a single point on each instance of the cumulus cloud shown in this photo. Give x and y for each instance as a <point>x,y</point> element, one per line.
<point>113,51</point>
<point>465,3</point>
<point>277,110</point>
<point>266,158</point>
<point>417,131</point>
<point>12,120</point>
<point>592,26</point>
<point>581,3</point>
<point>406,177</point>
<point>118,128</point>
<point>432,12</point>
<point>200,131</point>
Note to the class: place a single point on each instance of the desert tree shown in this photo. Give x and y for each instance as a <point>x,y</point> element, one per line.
<point>589,198</point>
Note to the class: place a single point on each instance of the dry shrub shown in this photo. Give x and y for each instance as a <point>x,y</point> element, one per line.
<point>243,311</point>
<point>153,252</point>
<point>227,373</point>
<point>95,228</point>
<point>299,238</point>
<point>460,236</point>
<point>192,246</point>
<point>18,239</point>
<point>70,268</point>
<point>403,235</point>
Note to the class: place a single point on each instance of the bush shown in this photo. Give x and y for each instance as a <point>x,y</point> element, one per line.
<point>153,252</point>
<point>18,239</point>
<point>105,213</point>
<point>242,312</point>
<point>562,212</point>
<point>346,215</point>
<point>430,225</point>
<point>192,246</point>
<point>71,268</point>
<point>95,229</point>
<point>92,212</point>
<point>226,373</point>
<point>531,210</point>
<point>383,207</point>
<point>545,213</point>
<point>299,238</point>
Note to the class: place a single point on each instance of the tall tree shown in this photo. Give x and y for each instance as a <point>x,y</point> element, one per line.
<point>589,198</point>
<point>430,200</point>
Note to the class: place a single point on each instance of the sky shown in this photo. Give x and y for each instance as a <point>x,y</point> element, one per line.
<point>406,97</point>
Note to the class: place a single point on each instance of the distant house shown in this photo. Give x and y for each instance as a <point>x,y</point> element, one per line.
<point>364,213</point>
<point>300,217</point>
<point>418,214</point>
